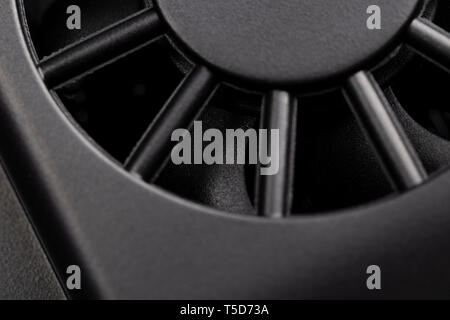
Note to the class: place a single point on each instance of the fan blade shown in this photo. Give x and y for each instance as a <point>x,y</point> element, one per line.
<point>274,192</point>
<point>179,112</point>
<point>431,41</point>
<point>378,121</point>
<point>101,47</point>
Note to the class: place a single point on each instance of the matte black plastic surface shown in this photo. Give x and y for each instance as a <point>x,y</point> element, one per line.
<point>285,42</point>
<point>134,240</point>
<point>25,272</point>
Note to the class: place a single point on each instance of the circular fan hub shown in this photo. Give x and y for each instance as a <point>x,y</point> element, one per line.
<point>286,42</point>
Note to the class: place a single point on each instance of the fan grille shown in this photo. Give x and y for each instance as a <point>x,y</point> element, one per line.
<point>127,82</point>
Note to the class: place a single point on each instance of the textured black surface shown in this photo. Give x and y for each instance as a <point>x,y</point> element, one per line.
<point>135,240</point>
<point>25,272</point>
<point>285,41</point>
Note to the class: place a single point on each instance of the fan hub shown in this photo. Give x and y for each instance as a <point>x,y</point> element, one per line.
<point>285,42</point>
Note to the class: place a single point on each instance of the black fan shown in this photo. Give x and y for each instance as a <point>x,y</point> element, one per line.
<point>347,99</point>
<point>303,66</point>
